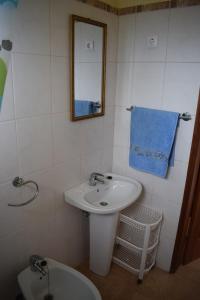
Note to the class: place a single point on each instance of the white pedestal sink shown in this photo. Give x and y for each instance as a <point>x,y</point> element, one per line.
<point>104,202</point>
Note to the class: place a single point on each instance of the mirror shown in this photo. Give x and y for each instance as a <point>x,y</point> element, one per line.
<point>88,68</point>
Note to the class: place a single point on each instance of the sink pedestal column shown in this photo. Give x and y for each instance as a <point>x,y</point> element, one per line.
<point>102,238</point>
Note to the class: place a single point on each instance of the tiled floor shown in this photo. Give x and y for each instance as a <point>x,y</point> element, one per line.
<point>157,285</point>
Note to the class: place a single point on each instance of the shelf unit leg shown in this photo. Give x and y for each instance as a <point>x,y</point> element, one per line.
<point>140,281</point>
<point>144,253</point>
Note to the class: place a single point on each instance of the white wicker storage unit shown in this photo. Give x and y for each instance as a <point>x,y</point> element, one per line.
<point>137,239</point>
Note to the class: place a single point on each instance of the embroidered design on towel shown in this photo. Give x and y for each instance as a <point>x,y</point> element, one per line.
<point>153,154</point>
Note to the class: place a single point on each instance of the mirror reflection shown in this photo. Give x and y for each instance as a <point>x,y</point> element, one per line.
<point>88,69</point>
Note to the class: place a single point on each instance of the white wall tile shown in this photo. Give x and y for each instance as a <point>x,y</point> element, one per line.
<point>171,213</point>
<point>108,127</point>
<point>184,137</point>
<point>69,217</point>
<point>66,139</point>
<point>109,117</point>
<point>6,16</point>
<point>126,38</point>
<point>33,10</point>
<point>111,77</point>
<point>8,153</point>
<point>151,24</point>
<point>32,85</point>
<point>119,160</point>
<point>11,219</point>
<point>35,143</point>
<point>107,160</point>
<point>173,186</point>
<point>181,88</point>
<point>125,77</point>
<point>60,40</point>
<point>122,127</point>
<point>165,252</point>
<point>41,212</point>
<point>60,84</point>
<point>148,85</point>
<point>184,30</point>
<point>91,132</point>
<point>60,11</point>
<point>13,255</point>
<point>66,176</point>
<point>31,27</point>
<point>91,163</point>
<point>31,37</point>
<point>112,39</point>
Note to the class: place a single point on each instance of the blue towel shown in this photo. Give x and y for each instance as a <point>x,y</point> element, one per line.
<point>152,138</point>
<point>13,2</point>
<point>84,108</point>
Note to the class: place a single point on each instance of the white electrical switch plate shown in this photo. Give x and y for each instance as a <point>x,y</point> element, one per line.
<point>89,45</point>
<point>152,41</point>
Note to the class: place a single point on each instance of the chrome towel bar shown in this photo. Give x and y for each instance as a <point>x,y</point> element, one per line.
<point>19,182</point>
<point>184,116</point>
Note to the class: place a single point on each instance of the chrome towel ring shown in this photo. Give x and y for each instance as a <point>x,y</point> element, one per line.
<point>18,182</point>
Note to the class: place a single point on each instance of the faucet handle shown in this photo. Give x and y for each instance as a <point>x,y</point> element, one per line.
<point>97,174</point>
<point>34,259</point>
<point>94,178</point>
<point>37,263</point>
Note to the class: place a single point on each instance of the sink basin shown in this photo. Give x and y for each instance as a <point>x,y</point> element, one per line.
<point>116,194</point>
<point>104,202</point>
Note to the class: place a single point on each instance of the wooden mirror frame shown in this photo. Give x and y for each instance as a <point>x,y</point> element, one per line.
<point>74,19</point>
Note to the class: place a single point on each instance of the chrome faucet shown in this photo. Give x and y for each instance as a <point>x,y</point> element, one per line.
<point>94,177</point>
<point>37,264</point>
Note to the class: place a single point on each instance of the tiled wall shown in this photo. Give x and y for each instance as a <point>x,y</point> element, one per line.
<point>166,77</point>
<point>38,142</point>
